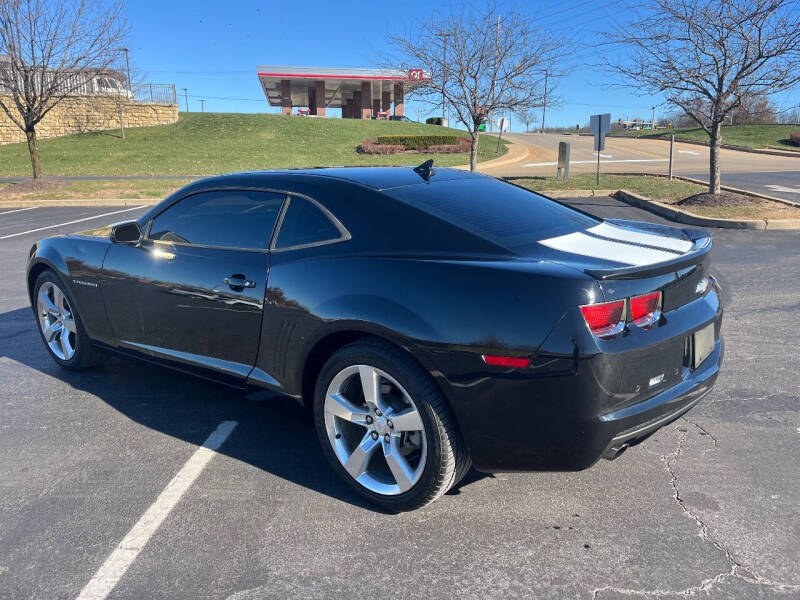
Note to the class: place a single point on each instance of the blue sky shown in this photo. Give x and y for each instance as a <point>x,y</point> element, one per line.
<point>212,48</point>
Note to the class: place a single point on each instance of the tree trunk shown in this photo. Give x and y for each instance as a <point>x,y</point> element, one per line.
<point>33,150</point>
<point>473,151</point>
<point>713,158</point>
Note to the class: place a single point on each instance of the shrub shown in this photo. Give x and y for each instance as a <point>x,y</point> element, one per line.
<point>434,121</point>
<point>462,146</point>
<point>795,137</point>
<point>415,142</point>
<point>371,146</point>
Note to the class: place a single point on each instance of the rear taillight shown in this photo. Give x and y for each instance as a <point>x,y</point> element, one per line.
<point>646,309</point>
<point>605,319</point>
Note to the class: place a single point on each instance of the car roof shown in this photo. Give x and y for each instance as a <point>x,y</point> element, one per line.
<point>377,178</point>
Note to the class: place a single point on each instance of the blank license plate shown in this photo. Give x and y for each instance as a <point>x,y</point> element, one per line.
<point>703,344</point>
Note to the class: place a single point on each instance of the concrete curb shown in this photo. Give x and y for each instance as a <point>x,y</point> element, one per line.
<point>727,188</point>
<point>742,192</point>
<point>576,193</point>
<point>776,152</point>
<point>681,216</point>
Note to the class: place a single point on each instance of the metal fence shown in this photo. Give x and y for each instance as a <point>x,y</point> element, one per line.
<point>106,83</point>
<point>161,93</point>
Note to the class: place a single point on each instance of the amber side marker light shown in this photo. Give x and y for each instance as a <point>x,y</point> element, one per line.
<point>506,361</point>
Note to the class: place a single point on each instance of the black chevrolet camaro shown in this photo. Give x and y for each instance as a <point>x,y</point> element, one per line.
<point>429,321</point>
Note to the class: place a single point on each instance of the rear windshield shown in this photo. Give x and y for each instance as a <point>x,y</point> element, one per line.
<point>504,214</point>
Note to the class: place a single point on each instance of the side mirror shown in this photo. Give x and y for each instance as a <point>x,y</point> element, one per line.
<point>126,233</point>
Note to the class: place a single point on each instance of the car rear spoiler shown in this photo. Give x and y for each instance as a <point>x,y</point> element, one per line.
<point>699,251</point>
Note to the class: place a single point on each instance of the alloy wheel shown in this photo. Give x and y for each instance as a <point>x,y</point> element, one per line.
<point>375,429</point>
<point>56,321</point>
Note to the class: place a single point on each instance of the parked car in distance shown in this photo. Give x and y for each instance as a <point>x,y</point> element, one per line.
<point>428,320</point>
<point>400,118</point>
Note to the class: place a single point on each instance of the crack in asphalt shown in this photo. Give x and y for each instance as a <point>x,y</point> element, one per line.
<point>737,570</point>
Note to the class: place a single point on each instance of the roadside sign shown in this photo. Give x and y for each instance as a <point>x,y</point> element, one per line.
<point>600,126</point>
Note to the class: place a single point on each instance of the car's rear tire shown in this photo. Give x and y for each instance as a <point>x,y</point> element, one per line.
<point>397,445</point>
<point>60,325</point>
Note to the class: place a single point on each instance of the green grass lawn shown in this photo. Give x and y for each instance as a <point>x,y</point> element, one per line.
<point>211,143</point>
<point>657,188</point>
<point>749,136</point>
<point>124,189</point>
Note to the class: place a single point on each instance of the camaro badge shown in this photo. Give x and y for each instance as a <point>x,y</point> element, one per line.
<point>88,283</point>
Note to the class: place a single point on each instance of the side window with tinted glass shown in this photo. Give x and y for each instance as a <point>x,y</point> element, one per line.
<point>231,219</point>
<point>306,223</point>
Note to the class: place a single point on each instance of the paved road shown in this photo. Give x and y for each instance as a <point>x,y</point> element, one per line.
<point>629,155</point>
<point>708,505</point>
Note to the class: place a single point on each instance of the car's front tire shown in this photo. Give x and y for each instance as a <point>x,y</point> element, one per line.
<point>60,325</point>
<point>386,428</point>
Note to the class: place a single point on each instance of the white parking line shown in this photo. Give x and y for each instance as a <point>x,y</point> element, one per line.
<point>132,544</point>
<point>602,162</point>
<point>8,212</point>
<point>116,212</point>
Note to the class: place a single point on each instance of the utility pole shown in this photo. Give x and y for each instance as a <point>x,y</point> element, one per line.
<point>544,100</point>
<point>496,54</point>
<point>202,106</point>
<point>444,37</point>
<point>653,122</point>
<point>186,97</point>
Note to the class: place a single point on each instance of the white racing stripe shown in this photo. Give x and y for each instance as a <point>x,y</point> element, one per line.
<point>132,544</point>
<point>587,245</point>
<point>108,214</point>
<point>641,237</point>
<point>8,212</point>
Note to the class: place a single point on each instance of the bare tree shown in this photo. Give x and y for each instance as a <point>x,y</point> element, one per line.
<point>52,50</point>
<point>754,110</point>
<point>707,55</point>
<point>494,62</point>
<point>528,115</point>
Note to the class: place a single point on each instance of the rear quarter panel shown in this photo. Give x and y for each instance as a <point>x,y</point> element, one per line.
<point>446,312</point>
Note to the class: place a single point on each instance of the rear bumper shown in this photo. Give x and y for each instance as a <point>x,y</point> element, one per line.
<point>635,423</point>
<point>568,410</point>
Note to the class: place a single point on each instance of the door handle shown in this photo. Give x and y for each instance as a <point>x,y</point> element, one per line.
<point>239,281</point>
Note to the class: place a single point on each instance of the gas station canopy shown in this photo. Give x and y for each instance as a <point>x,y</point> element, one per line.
<point>360,93</point>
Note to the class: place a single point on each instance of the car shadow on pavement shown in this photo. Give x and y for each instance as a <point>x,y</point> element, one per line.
<point>274,433</point>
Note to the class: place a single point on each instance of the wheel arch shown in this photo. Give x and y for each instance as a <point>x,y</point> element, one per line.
<point>329,344</point>
<point>37,269</point>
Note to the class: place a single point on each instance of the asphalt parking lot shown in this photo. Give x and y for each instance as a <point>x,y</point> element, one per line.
<point>707,507</point>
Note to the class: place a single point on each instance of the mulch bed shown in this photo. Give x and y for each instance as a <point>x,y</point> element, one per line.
<point>723,199</point>
<point>29,186</point>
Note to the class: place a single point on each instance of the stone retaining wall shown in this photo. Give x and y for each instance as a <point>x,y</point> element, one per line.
<point>80,114</point>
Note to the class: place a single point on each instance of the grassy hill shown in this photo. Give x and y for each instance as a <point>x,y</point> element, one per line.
<point>210,143</point>
<point>749,136</point>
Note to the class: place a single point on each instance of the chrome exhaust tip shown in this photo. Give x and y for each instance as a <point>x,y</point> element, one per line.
<point>615,452</point>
